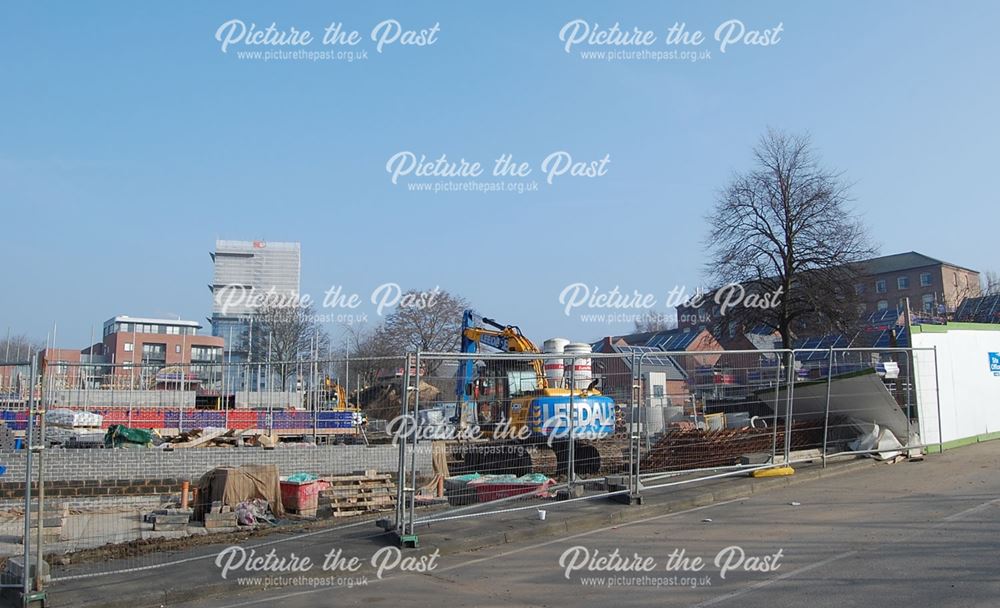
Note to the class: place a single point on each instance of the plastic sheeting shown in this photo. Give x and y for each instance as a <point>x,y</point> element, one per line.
<point>874,437</point>
<point>72,418</point>
<point>119,435</point>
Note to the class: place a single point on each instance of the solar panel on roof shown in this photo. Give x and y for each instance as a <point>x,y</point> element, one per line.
<point>644,351</point>
<point>672,340</point>
<point>983,309</point>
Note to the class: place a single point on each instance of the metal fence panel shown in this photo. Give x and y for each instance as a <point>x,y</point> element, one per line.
<point>509,430</point>
<point>101,493</point>
<point>18,403</point>
<point>442,436</point>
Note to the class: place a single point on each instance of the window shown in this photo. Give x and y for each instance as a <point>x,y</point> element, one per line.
<point>927,301</point>
<point>902,282</point>
<point>901,305</point>
<point>177,348</point>
<point>206,353</point>
<point>173,330</point>
<point>155,354</point>
<point>658,390</point>
<point>128,347</point>
<point>880,286</point>
<point>925,279</point>
<point>859,289</point>
<point>155,350</point>
<point>519,382</point>
<point>883,304</point>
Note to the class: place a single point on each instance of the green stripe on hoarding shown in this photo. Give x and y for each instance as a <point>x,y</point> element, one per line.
<point>957,443</point>
<point>943,329</point>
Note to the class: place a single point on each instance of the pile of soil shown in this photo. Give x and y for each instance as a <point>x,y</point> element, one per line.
<point>385,402</point>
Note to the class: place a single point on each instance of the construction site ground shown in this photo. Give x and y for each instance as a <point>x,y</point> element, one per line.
<point>920,529</point>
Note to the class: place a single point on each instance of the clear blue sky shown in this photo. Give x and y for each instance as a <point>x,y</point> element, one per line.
<point>130,142</point>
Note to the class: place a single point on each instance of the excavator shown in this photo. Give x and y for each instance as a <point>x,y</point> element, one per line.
<point>334,397</point>
<point>528,421</point>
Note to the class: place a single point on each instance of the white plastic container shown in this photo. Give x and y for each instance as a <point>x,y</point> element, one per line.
<point>737,420</point>
<point>554,368</point>
<point>581,371</point>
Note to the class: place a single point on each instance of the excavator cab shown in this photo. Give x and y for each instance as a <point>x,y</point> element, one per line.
<point>334,397</point>
<point>501,391</point>
<point>514,395</point>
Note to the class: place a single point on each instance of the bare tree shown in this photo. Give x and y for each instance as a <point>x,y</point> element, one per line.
<point>433,322</point>
<point>655,321</point>
<point>284,335</point>
<point>367,342</point>
<point>784,229</point>
<point>18,348</point>
<point>367,347</point>
<point>14,350</point>
<point>992,283</point>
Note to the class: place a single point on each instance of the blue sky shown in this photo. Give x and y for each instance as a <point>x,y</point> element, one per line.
<point>130,142</point>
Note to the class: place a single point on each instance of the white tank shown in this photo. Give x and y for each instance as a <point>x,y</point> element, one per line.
<point>554,368</point>
<point>580,366</point>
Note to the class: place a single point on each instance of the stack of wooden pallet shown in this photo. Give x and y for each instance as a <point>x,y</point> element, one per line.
<point>356,494</point>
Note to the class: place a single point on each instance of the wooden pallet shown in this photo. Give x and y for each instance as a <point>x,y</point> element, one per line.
<point>357,494</point>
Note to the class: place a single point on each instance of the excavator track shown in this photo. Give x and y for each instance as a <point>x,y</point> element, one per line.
<point>592,458</point>
<point>600,457</point>
<point>510,458</point>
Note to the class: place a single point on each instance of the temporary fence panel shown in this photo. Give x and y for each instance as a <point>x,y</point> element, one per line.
<point>115,501</point>
<point>763,408</point>
<point>720,414</point>
<point>17,524</point>
<point>423,438</point>
<point>510,431</point>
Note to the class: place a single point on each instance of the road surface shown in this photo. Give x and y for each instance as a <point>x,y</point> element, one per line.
<point>910,534</point>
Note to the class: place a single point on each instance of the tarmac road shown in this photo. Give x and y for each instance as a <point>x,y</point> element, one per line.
<point>910,534</point>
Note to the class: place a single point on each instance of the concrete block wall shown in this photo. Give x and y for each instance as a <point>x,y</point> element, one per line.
<point>266,399</point>
<point>119,398</point>
<point>79,469</point>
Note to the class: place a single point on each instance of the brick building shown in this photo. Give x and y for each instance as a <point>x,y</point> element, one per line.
<point>143,352</point>
<point>662,382</point>
<point>696,349</point>
<point>932,286</point>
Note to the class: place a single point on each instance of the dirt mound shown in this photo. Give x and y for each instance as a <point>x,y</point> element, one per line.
<point>385,401</point>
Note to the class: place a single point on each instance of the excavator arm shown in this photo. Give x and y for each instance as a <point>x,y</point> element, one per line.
<point>478,331</point>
